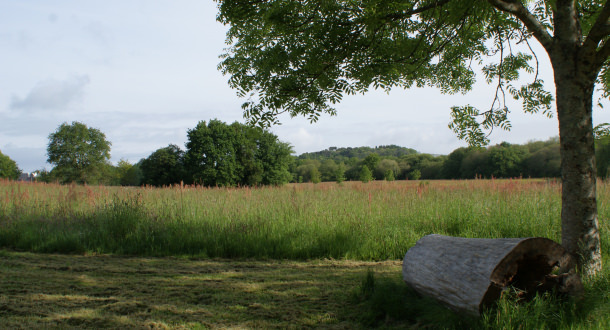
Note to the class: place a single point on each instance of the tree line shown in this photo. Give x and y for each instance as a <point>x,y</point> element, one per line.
<point>217,154</point>
<point>220,154</point>
<point>534,159</point>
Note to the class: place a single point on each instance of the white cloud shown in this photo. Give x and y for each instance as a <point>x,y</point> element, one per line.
<point>52,94</point>
<point>151,74</point>
<point>28,159</point>
<point>302,139</point>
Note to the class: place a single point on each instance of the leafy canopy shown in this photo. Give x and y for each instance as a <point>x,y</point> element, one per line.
<point>301,57</point>
<point>164,167</point>
<point>78,152</point>
<point>8,168</point>
<point>228,155</point>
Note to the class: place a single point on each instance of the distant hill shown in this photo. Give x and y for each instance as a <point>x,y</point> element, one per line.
<point>340,154</point>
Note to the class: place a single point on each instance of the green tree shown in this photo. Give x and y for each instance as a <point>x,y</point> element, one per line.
<point>314,175</point>
<point>543,159</point>
<point>308,171</point>
<point>452,166</point>
<point>228,155</point>
<point>389,175</point>
<point>43,176</point>
<point>352,172</point>
<point>301,57</point>
<point>164,167</point>
<point>8,168</point>
<point>476,164</point>
<point>416,166</point>
<point>80,154</point>
<point>328,170</point>
<point>129,174</point>
<point>371,161</point>
<point>506,160</point>
<point>211,157</point>
<point>365,174</point>
<point>415,174</point>
<point>274,155</point>
<point>340,173</point>
<point>432,168</point>
<point>384,166</point>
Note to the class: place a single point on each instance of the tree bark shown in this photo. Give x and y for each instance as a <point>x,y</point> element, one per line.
<point>576,65</point>
<point>575,75</point>
<point>468,275</point>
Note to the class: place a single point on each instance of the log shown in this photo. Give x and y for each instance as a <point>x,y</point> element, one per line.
<point>470,274</point>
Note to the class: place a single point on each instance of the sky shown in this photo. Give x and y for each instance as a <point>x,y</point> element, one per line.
<point>144,72</point>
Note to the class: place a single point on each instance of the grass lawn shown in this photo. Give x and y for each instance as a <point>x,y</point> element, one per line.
<point>296,256</point>
<point>100,291</point>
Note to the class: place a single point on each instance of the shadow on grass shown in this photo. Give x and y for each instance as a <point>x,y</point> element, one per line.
<point>59,291</point>
<point>386,302</point>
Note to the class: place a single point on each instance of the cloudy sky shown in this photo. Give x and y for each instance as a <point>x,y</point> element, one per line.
<point>145,71</point>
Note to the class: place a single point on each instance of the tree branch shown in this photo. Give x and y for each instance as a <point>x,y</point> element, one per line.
<point>602,55</point>
<point>517,9</point>
<point>418,10</point>
<point>600,28</point>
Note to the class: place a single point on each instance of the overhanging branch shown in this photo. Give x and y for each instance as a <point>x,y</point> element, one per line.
<point>600,28</point>
<point>418,10</point>
<point>517,9</point>
<point>602,55</point>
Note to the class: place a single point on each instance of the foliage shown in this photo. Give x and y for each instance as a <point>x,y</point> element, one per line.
<point>371,161</point>
<point>365,174</point>
<point>306,56</point>
<point>163,167</point>
<point>308,171</point>
<point>328,169</point>
<point>544,162</point>
<point>228,155</point>
<point>342,154</point>
<point>340,173</point>
<point>302,57</point>
<point>129,174</point>
<point>211,158</point>
<point>386,167</point>
<point>505,160</point>
<point>79,153</point>
<point>415,175</point>
<point>273,155</point>
<point>536,159</point>
<point>8,168</point>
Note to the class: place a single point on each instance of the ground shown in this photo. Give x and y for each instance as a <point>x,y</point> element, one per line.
<point>95,291</point>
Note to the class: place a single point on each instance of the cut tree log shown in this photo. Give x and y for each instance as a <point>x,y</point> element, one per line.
<point>470,274</point>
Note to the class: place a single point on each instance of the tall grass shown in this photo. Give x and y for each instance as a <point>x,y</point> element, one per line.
<point>373,221</point>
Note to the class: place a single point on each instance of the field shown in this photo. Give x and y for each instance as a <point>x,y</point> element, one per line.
<point>302,255</point>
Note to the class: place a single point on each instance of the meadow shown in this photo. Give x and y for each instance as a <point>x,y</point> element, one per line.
<point>348,238</point>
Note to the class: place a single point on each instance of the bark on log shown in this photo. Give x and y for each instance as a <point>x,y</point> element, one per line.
<point>469,274</point>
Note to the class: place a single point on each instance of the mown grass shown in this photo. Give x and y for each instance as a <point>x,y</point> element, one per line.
<point>63,291</point>
<point>102,291</point>
<point>289,230</point>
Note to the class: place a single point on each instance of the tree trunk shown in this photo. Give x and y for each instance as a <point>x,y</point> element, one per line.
<point>469,274</point>
<point>574,81</point>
